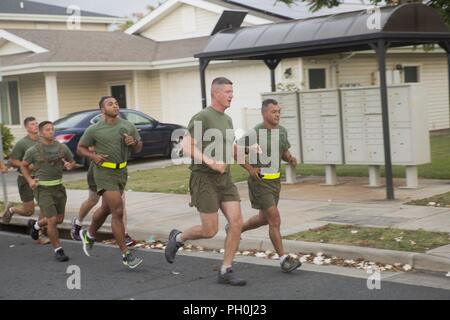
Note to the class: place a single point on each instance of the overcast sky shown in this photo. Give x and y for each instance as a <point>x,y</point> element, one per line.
<point>123,8</point>
<point>118,8</point>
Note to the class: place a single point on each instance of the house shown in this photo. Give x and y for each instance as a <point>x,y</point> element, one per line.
<point>50,73</point>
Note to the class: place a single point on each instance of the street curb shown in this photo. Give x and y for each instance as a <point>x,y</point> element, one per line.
<point>418,261</point>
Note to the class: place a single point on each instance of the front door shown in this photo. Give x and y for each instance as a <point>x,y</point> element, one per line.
<point>120,93</point>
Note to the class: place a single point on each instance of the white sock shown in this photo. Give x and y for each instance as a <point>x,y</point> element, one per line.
<point>78,222</point>
<point>282,258</point>
<point>178,238</point>
<point>36,226</point>
<point>11,210</point>
<point>57,249</point>
<point>223,269</point>
<point>89,235</point>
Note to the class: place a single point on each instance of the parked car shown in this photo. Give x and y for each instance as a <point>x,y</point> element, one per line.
<point>156,136</point>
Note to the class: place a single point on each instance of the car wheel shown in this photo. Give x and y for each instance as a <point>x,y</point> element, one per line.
<point>174,149</point>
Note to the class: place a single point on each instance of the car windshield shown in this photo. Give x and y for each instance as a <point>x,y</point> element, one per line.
<point>70,121</point>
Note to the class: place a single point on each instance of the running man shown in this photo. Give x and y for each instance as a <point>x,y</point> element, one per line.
<point>113,138</point>
<point>25,192</point>
<point>89,203</point>
<point>17,154</point>
<point>49,158</point>
<point>210,182</point>
<point>264,180</point>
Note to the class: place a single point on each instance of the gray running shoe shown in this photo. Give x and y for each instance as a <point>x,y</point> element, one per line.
<point>172,246</point>
<point>130,261</point>
<point>290,264</point>
<point>229,277</point>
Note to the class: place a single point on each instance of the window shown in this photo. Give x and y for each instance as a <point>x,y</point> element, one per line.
<point>9,100</point>
<point>138,120</point>
<point>411,74</point>
<point>71,121</point>
<point>119,92</point>
<point>317,78</point>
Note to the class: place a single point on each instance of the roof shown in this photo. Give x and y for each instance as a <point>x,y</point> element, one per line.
<point>298,10</point>
<point>98,46</point>
<point>31,7</point>
<point>405,24</point>
<point>82,46</point>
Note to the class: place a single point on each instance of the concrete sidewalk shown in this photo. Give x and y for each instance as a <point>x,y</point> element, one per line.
<point>304,205</point>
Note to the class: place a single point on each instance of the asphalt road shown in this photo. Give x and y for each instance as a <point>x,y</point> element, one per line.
<point>28,271</point>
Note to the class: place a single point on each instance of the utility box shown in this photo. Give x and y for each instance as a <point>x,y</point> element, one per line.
<point>363,126</point>
<point>344,126</point>
<point>320,127</point>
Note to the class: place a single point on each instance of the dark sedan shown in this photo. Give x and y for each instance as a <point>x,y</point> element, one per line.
<point>156,136</point>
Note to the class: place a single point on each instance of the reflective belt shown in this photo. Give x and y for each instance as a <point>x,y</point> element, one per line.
<point>271,176</point>
<point>112,165</point>
<point>50,183</point>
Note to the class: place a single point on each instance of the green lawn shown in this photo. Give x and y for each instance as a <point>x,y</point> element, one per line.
<point>440,200</point>
<point>172,179</point>
<point>175,179</point>
<point>381,238</point>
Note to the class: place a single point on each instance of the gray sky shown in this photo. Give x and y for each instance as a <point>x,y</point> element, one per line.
<point>123,8</point>
<point>118,8</point>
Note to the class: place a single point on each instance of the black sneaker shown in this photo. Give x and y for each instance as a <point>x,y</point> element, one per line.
<point>130,261</point>
<point>289,264</point>
<point>229,277</point>
<point>75,231</point>
<point>172,246</point>
<point>61,256</point>
<point>33,232</point>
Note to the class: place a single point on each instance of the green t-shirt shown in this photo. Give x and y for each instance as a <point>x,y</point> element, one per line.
<point>47,160</point>
<point>109,140</point>
<point>18,152</point>
<point>222,123</point>
<point>265,159</point>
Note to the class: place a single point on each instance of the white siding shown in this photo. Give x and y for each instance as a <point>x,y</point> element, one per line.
<point>77,91</point>
<point>433,73</point>
<point>181,97</point>
<point>177,24</point>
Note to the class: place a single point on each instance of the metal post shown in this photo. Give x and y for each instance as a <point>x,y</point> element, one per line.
<point>380,48</point>
<point>203,65</point>
<point>273,86</point>
<point>272,65</point>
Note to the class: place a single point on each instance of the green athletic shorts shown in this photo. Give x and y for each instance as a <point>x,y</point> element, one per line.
<point>263,194</point>
<point>110,179</point>
<point>25,192</point>
<point>209,190</point>
<point>52,200</point>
